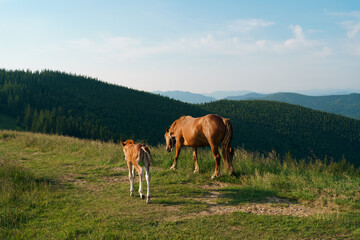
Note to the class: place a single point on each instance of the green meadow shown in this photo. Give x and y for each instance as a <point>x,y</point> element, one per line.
<point>56,187</point>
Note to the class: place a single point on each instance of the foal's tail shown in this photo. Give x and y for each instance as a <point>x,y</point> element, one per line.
<point>146,150</point>
<point>227,150</point>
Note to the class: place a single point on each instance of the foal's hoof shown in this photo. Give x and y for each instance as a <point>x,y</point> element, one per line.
<point>173,168</point>
<point>196,171</point>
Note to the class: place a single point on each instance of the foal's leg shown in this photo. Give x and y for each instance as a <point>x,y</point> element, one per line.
<point>196,170</point>
<point>147,176</point>
<point>140,172</point>
<point>216,153</point>
<point>178,148</point>
<point>131,178</point>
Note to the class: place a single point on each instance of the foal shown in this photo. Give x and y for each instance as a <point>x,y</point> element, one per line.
<point>134,155</point>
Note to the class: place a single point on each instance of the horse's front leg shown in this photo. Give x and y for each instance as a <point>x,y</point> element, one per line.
<point>178,148</point>
<point>196,170</point>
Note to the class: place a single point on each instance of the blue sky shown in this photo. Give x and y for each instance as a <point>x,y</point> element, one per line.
<point>198,46</point>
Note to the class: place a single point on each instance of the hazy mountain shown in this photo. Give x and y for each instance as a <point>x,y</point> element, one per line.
<point>249,96</point>
<point>224,94</point>
<point>186,96</point>
<point>327,92</point>
<point>346,105</point>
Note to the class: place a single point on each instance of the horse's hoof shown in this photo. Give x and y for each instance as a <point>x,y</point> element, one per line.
<point>142,196</point>
<point>173,168</point>
<point>148,200</point>
<point>196,171</point>
<point>131,194</point>
<point>214,176</point>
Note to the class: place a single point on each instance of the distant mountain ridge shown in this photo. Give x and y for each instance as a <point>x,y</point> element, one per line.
<point>347,104</point>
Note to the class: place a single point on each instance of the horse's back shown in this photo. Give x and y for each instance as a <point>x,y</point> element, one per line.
<point>202,131</point>
<point>214,127</point>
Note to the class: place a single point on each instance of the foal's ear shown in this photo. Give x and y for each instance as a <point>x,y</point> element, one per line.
<point>122,143</point>
<point>167,130</point>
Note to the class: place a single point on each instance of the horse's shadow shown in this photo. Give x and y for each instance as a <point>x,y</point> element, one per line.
<point>243,195</point>
<point>231,196</point>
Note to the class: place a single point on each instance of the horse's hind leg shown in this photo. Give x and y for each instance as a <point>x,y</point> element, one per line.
<point>228,154</point>
<point>196,170</point>
<point>216,153</point>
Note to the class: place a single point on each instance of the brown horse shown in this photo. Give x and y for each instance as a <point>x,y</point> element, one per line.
<point>210,130</point>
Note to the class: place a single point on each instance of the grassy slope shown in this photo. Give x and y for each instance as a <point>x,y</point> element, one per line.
<point>60,187</point>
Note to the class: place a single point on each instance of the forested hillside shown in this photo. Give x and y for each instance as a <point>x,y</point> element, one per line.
<point>55,102</point>
<point>266,126</point>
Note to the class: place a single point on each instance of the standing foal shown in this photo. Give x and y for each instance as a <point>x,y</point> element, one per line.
<point>134,155</point>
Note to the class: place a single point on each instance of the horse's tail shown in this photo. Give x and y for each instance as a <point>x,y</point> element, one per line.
<point>146,150</point>
<point>227,151</point>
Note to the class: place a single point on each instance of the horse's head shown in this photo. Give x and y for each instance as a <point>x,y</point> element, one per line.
<point>170,141</point>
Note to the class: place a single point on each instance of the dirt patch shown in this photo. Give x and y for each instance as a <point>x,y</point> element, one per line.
<point>118,179</point>
<point>277,207</point>
<point>120,169</point>
<point>270,206</point>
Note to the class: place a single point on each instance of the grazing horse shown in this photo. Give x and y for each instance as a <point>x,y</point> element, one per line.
<point>210,130</point>
<point>134,155</point>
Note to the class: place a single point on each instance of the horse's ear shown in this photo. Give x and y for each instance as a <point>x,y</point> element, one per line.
<point>167,130</point>
<point>122,143</point>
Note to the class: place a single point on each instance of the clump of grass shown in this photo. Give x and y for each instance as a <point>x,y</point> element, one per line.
<point>23,195</point>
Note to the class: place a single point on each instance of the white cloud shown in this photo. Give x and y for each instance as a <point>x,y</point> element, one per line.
<point>118,48</point>
<point>247,25</point>
<point>261,43</point>
<point>299,40</point>
<point>352,14</point>
<point>323,52</point>
<point>212,43</point>
<point>351,22</point>
<point>352,28</point>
